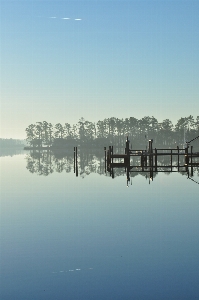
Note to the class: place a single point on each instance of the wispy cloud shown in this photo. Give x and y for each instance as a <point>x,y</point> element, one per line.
<point>65,18</point>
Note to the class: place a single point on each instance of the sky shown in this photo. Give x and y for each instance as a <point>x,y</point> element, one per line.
<point>63,60</point>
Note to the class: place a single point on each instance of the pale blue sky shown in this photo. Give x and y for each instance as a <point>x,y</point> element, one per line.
<point>122,59</point>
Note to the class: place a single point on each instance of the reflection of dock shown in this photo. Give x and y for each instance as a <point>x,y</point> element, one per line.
<point>177,160</point>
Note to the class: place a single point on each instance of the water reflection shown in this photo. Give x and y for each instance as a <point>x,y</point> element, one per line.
<point>128,243</point>
<point>45,163</point>
<point>85,162</point>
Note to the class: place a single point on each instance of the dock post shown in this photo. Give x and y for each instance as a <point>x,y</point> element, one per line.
<point>191,153</point>
<point>186,156</point>
<point>152,157</point>
<point>109,159</point>
<point>145,159</point>
<point>186,159</point>
<point>127,149</point>
<point>191,161</point>
<point>150,150</point>
<point>127,145</point>
<point>151,145</point>
<point>156,160</point>
<point>142,161</point>
<point>76,163</point>
<point>171,159</point>
<point>127,159</point>
<point>150,153</point>
<point>178,159</point>
<point>74,159</point>
<point>109,156</point>
<point>105,158</point>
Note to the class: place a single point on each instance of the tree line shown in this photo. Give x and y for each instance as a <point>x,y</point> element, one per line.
<point>113,131</point>
<point>10,143</point>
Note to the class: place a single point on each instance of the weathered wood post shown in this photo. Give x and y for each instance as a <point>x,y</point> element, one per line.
<point>149,149</point>
<point>107,161</point>
<point>105,158</point>
<point>112,154</point>
<point>109,157</point>
<point>178,159</point>
<point>186,156</point>
<point>127,159</point>
<point>145,159</point>
<point>171,159</point>
<point>76,162</point>
<point>156,161</point>
<point>112,173</point>
<point>191,153</point>
<point>142,161</point>
<point>150,153</point>
<point>127,147</point>
<point>74,159</point>
<point>191,161</point>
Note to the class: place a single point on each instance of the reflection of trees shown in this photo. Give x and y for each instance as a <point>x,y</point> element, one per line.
<point>46,162</point>
<point>39,162</point>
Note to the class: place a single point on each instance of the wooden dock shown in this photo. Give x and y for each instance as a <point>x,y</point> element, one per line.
<point>180,160</point>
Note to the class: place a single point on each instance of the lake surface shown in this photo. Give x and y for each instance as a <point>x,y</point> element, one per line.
<point>91,237</point>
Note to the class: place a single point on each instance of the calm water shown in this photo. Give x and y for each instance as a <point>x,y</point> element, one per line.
<point>64,237</point>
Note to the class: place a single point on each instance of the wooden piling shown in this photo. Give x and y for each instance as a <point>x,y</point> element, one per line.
<point>76,161</point>
<point>178,159</point>
<point>171,160</point>
<point>109,156</point>
<point>191,153</point>
<point>105,158</point>
<point>156,160</point>
<point>186,156</point>
<point>145,160</point>
<point>142,161</point>
<point>191,161</point>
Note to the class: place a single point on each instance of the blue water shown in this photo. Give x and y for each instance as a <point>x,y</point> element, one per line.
<point>64,237</point>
